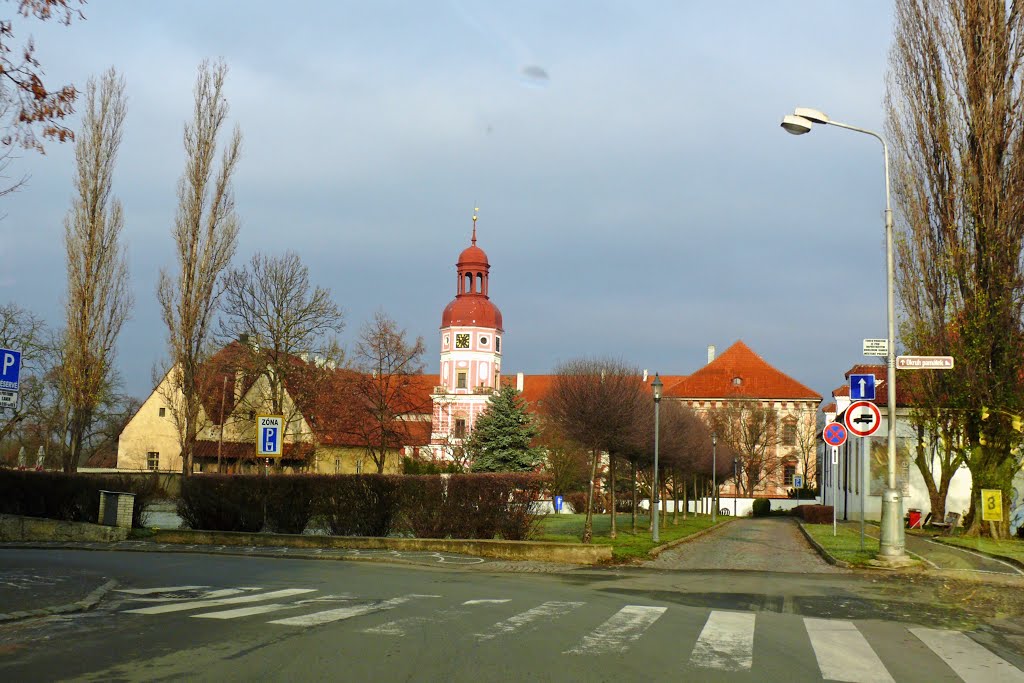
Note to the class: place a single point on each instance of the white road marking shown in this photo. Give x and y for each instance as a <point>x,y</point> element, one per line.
<point>548,610</point>
<point>200,604</point>
<point>623,628</point>
<point>330,615</point>
<point>245,611</point>
<point>843,653</point>
<point>150,591</point>
<point>971,661</point>
<point>400,627</point>
<point>485,602</point>
<point>726,642</point>
<point>982,556</point>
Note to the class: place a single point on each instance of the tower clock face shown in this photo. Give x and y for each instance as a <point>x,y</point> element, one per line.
<point>462,341</point>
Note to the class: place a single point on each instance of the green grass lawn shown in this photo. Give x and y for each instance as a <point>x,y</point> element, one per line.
<point>1011,548</point>
<point>626,546</point>
<point>845,545</point>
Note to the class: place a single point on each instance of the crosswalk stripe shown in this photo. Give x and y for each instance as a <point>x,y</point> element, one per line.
<point>623,628</point>
<point>200,604</point>
<point>844,654</point>
<point>725,642</point>
<point>245,611</point>
<point>399,627</point>
<point>150,591</point>
<point>971,661</point>
<point>547,610</point>
<point>341,613</point>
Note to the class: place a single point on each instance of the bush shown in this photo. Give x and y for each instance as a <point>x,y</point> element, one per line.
<point>411,465</point>
<point>54,495</point>
<point>221,502</point>
<point>360,504</point>
<point>762,507</point>
<point>578,501</point>
<point>423,509</point>
<point>291,501</point>
<point>814,514</point>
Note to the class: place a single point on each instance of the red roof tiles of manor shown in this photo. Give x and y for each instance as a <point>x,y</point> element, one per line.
<point>757,379</point>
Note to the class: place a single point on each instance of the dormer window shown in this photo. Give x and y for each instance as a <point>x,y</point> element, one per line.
<point>736,381</point>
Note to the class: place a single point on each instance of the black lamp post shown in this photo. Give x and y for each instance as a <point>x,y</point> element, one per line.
<point>656,386</point>
<point>714,478</point>
<point>736,483</point>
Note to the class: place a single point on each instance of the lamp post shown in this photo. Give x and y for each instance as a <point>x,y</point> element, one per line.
<point>891,546</point>
<point>656,386</point>
<point>714,478</point>
<point>736,479</point>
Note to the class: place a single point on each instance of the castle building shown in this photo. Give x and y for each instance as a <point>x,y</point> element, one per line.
<point>471,337</point>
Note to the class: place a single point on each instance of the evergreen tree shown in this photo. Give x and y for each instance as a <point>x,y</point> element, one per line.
<point>501,438</point>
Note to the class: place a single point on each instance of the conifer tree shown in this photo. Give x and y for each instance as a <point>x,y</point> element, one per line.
<point>501,438</point>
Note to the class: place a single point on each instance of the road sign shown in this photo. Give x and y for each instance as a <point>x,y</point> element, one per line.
<point>863,418</point>
<point>862,387</point>
<point>798,481</point>
<point>8,399</point>
<point>991,505</point>
<point>558,503</point>
<point>924,362</point>
<point>876,347</point>
<point>835,460</point>
<point>834,434</point>
<point>269,435</point>
<point>10,369</point>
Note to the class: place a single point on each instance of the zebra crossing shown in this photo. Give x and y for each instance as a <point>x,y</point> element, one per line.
<point>726,640</point>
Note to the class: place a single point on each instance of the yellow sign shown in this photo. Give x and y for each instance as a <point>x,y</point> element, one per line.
<point>991,505</point>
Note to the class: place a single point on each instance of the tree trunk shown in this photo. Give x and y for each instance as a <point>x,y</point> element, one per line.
<point>633,486</point>
<point>588,525</point>
<point>686,503</point>
<point>611,480</point>
<point>675,499</point>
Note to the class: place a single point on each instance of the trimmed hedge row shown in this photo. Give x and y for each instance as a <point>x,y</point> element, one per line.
<point>814,514</point>
<point>71,497</point>
<point>427,506</point>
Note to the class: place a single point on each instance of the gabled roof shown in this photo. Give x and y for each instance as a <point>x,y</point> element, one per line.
<point>739,372</point>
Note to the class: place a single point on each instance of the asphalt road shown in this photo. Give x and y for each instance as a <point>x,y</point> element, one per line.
<point>224,618</point>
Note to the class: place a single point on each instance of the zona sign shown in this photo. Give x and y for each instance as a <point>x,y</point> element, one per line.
<point>863,418</point>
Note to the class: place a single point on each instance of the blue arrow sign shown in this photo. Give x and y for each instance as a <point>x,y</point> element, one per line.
<point>10,369</point>
<point>862,387</point>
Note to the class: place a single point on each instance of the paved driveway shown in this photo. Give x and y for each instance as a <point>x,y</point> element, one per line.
<point>766,544</point>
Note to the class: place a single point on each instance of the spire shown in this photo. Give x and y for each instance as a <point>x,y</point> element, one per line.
<point>475,210</point>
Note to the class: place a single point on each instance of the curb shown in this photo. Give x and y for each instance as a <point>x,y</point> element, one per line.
<point>83,605</point>
<point>654,552</point>
<point>825,555</point>
<point>1002,558</point>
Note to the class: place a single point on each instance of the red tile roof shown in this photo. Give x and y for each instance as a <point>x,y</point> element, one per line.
<point>757,379</point>
<point>905,382</point>
<point>829,407</point>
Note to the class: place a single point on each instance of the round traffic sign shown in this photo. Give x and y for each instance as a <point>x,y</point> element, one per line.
<point>863,418</point>
<point>834,434</point>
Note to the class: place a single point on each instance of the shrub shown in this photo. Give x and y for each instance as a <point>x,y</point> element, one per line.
<point>411,465</point>
<point>290,502</point>
<point>423,508</point>
<point>578,501</point>
<point>54,495</point>
<point>360,504</point>
<point>814,514</point>
<point>220,502</point>
<point>762,507</point>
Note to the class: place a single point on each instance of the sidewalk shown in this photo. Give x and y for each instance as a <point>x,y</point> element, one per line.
<point>27,591</point>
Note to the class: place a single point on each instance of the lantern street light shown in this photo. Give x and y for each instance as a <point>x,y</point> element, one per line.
<point>656,386</point>
<point>891,545</point>
<point>714,478</point>
<point>736,479</point>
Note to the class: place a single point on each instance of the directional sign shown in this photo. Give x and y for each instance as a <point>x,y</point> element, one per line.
<point>862,387</point>
<point>269,435</point>
<point>876,347</point>
<point>863,418</point>
<point>924,362</point>
<point>834,434</point>
<point>10,369</point>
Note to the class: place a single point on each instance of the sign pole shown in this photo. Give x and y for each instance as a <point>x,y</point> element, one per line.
<point>863,464</point>
<point>835,462</point>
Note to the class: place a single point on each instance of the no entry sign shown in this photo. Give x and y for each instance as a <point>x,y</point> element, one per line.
<point>834,434</point>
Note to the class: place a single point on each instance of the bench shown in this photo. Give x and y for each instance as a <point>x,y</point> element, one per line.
<point>949,523</point>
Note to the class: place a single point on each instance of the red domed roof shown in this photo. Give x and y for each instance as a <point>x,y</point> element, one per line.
<point>471,311</point>
<point>473,256</point>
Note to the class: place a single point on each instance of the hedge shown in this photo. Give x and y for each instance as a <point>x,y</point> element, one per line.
<point>814,514</point>
<point>424,506</point>
<point>71,497</point>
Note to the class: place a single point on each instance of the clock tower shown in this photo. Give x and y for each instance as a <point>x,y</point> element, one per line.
<point>471,337</point>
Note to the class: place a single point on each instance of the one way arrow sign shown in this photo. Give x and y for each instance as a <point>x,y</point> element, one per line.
<point>862,387</point>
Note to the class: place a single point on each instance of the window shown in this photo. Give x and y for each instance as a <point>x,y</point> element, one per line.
<point>163,412</point>
<point>483,340</point>
<point>337,465</point>
<point>460,427</point>
<point>789,434</point>
<point>153,459</point>
<point>497,344</point>
<point>359,466</point>
<point>252,414</point>
<point>788,472</point>
<point>736,381</point>
<point>460,382</point>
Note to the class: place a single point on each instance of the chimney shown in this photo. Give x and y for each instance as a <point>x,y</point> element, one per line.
<point>645,375</point>
<point>519,381</point>
<point>711,353</point>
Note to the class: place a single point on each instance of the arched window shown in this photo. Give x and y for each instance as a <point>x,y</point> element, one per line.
<point>469,282</point>
<point>480,282</point>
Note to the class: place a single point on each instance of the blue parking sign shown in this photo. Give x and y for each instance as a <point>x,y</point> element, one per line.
<point>10,369</point>
<point>269,435</point>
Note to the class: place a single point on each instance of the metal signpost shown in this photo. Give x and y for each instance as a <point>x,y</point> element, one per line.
<point>834,435</point>
<point>798,483</point>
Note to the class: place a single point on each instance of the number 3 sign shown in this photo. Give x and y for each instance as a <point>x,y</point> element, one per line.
<point>991,505</point>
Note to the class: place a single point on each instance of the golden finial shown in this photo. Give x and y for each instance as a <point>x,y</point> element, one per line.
<point>476,209</point>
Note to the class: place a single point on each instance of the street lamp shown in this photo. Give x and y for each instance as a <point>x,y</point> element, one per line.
<point>736,482</point>
<point>891,546</point>
<point>714,478</point>
<point>656,386</point>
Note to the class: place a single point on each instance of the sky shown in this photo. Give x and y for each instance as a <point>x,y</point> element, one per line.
<point>637,197</point>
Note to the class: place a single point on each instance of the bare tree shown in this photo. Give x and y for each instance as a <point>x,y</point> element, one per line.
<point>956,118</point>
<point>751,429</point>
<point>22,330</point>
<point>386,393</point>
<point>98,297</point>
<point>807,447</point>
<point>598,403</point>
<point>205,235</point>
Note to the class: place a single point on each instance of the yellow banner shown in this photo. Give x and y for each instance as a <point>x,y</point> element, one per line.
<point>991,505</point>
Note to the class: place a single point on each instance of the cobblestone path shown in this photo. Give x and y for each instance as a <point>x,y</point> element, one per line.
<point>772,544</point>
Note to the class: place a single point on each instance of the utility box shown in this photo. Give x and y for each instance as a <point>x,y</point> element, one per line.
<point>117,508</point>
